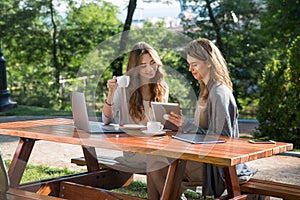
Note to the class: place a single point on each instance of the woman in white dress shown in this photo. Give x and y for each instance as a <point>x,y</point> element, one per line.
<point>132,104</point>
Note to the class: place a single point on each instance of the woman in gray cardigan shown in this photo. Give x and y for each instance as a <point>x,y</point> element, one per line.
<point>216,113</point>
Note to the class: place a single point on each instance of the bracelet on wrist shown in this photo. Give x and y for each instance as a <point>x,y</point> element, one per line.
<point>109,104</point>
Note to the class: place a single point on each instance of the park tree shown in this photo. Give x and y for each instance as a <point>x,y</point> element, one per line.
<point>86,26</point>
<point>117,65</point>
<point>278,111</point>
<point>280,25</point>
<point>39,41</point>
<point>25,40</point>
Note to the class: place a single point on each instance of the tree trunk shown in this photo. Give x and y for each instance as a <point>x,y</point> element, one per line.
<point>215,25</point>
<point>117,64</point>
<point>56,64</point>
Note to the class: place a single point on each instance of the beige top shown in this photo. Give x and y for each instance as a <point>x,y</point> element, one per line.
<point>121,110</point>
<point>148,112</point>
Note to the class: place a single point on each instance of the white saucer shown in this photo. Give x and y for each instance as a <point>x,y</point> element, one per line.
<point>133,126</point>
<point>146,132</point>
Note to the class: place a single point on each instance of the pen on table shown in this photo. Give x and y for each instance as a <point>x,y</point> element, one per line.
<point>159,138</point>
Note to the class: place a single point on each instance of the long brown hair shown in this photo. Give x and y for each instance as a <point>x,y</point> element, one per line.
<point>134,91</point>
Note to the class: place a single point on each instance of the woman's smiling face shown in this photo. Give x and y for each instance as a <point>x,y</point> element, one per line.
<point>148,67</point>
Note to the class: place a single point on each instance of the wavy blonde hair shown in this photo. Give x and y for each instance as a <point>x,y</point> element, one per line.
<point>134,92</point>
<point>205,50</point>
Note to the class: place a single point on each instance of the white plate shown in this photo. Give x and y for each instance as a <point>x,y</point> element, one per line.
<point>133,126</point>
<point>146,132</point>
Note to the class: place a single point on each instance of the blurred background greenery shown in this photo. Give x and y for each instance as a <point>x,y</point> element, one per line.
<point>45,48</point>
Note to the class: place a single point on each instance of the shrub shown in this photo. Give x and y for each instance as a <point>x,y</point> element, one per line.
<point>279,105</point>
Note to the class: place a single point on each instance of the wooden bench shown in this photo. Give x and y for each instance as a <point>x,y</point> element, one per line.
<point>271,188</point>
<point>253,186</point>
<point>108,163</point>
<point>8,193</point>
<point>76,191</point>
<point>104,162</point>
<point>17,194</point>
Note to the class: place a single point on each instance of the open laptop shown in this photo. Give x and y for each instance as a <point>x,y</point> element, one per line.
<point>81,119</point>
<point>160,109</point>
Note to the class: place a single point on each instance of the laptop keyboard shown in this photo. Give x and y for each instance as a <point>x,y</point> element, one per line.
<point>100,127</point>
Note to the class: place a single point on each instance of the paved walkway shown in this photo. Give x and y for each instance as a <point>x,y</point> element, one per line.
<point>283,168</point>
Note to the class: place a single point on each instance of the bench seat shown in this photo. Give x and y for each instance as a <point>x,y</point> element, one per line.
<point>75,191</point>
<point>104,162</point>
<point>271,188</point>
<point>253,186</point>
<point>17,194</point>
<point>108,163</point>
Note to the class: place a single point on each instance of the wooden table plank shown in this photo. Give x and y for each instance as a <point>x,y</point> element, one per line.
<point>62,130</point>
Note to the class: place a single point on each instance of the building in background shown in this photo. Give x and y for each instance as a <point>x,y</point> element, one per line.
<point>152,12</point>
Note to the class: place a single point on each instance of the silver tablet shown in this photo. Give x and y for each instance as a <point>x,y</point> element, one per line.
<point>160,109</point>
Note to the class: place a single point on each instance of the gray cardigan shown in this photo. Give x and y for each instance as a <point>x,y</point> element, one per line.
<point>222,119</point>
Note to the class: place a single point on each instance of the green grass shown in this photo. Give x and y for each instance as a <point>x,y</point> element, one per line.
<point>40,172</point>
<point>139,189</point>
<point>135,188</point>
<point>22,110</point>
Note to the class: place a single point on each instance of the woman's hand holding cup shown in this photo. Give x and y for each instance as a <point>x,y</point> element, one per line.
<point>121,81</point>
<point>112,84</point>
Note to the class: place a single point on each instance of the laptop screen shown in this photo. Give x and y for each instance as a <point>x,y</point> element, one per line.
<point>81,118</point>
<point>79,111</point>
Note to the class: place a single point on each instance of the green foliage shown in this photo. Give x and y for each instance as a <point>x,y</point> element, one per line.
<point>279,105</point>
<point>281,24</point>
<point>22,110</point>
<point>40,172</point>
<point>139,189</point>
<point>249,33</point>
<point>192,195</point>
<point>33,173</point>
<point>136,188</point>
<point>44,48</point>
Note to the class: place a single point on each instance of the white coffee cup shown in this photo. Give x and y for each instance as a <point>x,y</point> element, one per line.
<point>154,127</point>
<point>123,81</point>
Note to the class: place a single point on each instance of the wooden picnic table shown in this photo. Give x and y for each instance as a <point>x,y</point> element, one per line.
<point>226,155</point>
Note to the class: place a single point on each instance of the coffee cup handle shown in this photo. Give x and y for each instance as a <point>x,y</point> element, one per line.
<point>161,127</point>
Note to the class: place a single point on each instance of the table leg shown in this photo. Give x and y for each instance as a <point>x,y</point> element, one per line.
<point>90,157</point>
<point>232,182</point>
<point>173,181</point>
<point>112,178</point>
<point>19,162</point>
